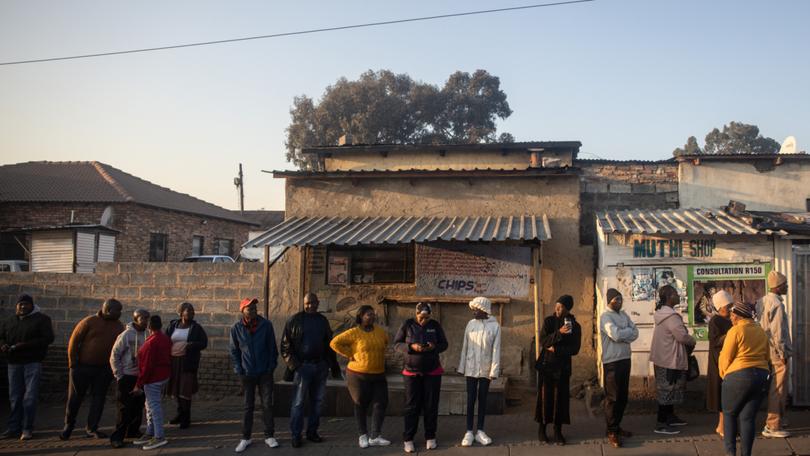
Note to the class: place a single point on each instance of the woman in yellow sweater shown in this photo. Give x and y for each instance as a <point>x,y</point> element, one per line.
<point>743,365</point>
<point>364,345</point>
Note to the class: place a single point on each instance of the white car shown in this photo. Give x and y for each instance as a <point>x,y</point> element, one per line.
<point>208,259</point>
<point>13,266</point>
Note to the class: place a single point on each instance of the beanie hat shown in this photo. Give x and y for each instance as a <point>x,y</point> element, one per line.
<point>776,278</point>
<point>246,302</point>
<point>744,309</point>
<point>567,301</point>
<point>481,303</point>
<point>611,293</point>
<point>424,307</point>
<point>25,298</point>
<point>721,299</point>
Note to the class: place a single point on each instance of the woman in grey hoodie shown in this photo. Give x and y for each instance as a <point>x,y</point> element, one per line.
<point>669,353</point>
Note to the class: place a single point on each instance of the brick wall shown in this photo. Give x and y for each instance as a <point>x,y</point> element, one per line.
<point>135,223</point>
<point>618,185</point>
<point>213,289</point>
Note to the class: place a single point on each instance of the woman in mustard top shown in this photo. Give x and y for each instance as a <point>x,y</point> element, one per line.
<point>364,345</point>
<point>743,365</point>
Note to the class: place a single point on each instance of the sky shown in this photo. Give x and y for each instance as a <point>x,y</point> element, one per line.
<point>630,79</point>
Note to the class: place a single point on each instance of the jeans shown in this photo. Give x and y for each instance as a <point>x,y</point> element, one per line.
<point>81,378</point>
<point>421,397</point>
<point>368,389</point>
<point>154,409</point>
<point>264,383</point>
<point>130,410</point>
<point>617,384</point>
<point>23,389</point>
<point>743,392</point>
<point>777,395</point>
<point>309,380</point>
<point>477,389</point>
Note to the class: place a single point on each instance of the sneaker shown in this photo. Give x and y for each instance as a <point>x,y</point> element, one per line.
<point>775,433</point>
<point>242,446</point>
<point>65,434</point>
<point>363,441</point>
<point>155,443</point>
<point>95,434</point>
<point>26,435</point>
<point>271,442</point>
<point>379,441</point>
<point>296,442</point>
<point>675,421</point>
<point>117,444</point>
<point>431,444</point>
<point>142,440</point>
<point>409,448</point>
<point>468,439</point>
<point>662,428</point>
<point>314,437</point>
<point>482,438</point>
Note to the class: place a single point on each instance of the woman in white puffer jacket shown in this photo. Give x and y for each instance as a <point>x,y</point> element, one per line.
<point>481,363</point>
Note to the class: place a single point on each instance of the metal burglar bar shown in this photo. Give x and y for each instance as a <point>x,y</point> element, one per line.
<point>801,312</point>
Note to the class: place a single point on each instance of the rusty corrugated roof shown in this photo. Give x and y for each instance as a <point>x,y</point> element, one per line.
<point>402,230</point>
<point>676,221</point>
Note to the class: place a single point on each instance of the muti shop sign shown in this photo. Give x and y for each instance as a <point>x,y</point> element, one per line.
<point>673,248</point>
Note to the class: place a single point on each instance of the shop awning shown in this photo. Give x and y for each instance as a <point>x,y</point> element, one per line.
<point>676,221</point>
<point>401,230</point>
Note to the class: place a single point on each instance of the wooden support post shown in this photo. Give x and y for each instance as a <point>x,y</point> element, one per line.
<point>538,305</point>
<point>266,282</point>
<point>302,278</point>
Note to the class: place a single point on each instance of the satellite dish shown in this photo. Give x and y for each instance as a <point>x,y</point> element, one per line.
<point>788,145</point>
<point>107,217</point>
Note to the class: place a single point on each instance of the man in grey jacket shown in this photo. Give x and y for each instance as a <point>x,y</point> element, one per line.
<point>774,321</point>
<point>617,332</point>
<point>124,364</point>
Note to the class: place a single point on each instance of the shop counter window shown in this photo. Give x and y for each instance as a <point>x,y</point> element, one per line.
<point>381,265</point>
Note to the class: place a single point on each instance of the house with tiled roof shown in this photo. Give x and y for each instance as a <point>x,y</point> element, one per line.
<point>153,223</point>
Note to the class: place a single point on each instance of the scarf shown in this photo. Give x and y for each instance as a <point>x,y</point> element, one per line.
<point>252,325</point>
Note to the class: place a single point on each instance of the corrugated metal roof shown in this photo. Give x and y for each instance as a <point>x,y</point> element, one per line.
<point>401,230</point>
<point>435,172</point>
<point>675,221</point>
<point>516,147</point>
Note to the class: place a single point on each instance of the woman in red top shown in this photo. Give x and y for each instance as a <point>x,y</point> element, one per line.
<point>155,367</point>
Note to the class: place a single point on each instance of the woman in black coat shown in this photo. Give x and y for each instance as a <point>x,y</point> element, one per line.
<point>560,339</point>
<point>718,327</point>
<point>188,340</point>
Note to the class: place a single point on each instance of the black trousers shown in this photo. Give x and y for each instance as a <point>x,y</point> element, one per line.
<point>130,410</point>
<point>477,389</point>
<point>264,383</point>
<point>81,378</point>
<point>421,398</point>
<point>368,390</point>
<point>617,384</point>
<point>665,412</point>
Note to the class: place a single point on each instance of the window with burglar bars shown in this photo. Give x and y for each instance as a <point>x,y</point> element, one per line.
<point>158,247</point>
<point>370,264</point>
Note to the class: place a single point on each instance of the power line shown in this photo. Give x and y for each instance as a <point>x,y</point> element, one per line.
<point>301,32</point>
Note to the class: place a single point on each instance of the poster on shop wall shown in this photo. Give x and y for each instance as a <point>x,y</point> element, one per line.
<point>745,283</point>
<point>643,285</point>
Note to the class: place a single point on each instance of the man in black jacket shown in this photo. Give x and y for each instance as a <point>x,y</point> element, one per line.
<point>24,338</point>
<point>305,349</point>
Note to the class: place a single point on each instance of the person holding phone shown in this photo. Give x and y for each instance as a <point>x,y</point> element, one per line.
<point>560,339</point>
<point>421,339</point>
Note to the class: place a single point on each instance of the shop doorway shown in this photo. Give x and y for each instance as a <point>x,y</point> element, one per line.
<point>801,311</point>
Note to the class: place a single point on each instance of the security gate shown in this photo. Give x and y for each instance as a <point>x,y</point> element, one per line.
<point>801,312</point>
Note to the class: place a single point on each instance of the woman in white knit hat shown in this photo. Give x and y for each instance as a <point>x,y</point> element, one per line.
<point>480,362</point>
<point>718,327</point>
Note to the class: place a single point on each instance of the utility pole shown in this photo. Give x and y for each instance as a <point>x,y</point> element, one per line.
<point>240,185</point>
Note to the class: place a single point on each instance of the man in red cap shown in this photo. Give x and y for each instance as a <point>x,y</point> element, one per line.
<point>254,355</point>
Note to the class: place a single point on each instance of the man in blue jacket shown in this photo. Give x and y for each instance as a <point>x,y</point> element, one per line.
<point>254,354</point>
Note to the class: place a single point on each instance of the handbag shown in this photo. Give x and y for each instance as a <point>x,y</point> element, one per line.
<point>694,370</point>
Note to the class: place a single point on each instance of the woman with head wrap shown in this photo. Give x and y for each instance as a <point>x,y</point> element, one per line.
<point>743,365</point>
<point>560,339</point>
<point>480,363</point>
<point>718,327</point>
<point>669,353</point>
<point>188,340</point>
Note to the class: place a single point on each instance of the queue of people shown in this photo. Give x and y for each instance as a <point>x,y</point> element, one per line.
<point>749,347</point>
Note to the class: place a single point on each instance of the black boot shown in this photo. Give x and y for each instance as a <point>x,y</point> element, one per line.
<point>179,417</point>
<point>558,436</point>
<point>541,433</point>
<point>185,414</point>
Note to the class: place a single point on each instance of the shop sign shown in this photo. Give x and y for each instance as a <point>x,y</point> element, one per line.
<point>473,270</point>
<point>673,248</point>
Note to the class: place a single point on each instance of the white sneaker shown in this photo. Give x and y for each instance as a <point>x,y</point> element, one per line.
<point>243,444</point>
<point>142,440</point>
<point>363,441</point>
<point>775,434</point>
<point>409,448</point>
<point>271,442</point>
<point>468,439</point>
<point>431,444</point>
<point>155,443</point>
<point>482,438</point>
<point>379,441</point>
